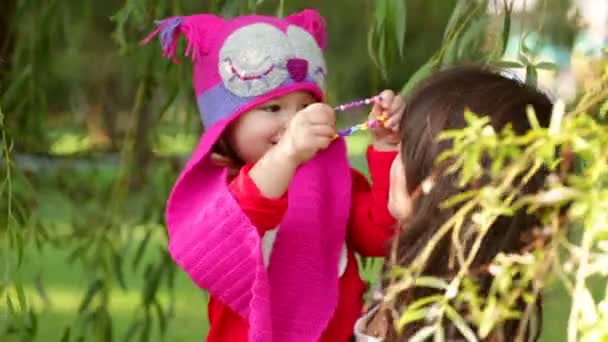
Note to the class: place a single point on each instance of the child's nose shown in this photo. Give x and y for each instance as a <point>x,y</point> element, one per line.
<point>289,114</point>
<point>297,68</point>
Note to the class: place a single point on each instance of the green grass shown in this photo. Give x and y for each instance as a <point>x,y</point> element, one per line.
<point>65,286</point>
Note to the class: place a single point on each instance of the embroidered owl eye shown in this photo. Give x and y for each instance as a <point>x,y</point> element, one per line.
<point>306,48</point>
<point>252,60</point>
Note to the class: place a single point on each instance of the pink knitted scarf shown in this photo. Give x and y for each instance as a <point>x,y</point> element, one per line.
<point>216,244</point>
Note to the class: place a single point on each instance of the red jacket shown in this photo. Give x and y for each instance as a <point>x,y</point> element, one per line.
<point>369,227</point>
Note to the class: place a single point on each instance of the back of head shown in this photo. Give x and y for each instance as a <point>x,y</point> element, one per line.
<point>438,103</point>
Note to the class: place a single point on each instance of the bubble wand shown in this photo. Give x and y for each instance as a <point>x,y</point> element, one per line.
<point>362,126</point>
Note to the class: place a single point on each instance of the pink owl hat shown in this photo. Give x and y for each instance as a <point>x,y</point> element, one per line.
<point>238,64</point>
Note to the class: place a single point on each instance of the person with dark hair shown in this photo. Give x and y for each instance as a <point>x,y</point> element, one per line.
<point>437,104</point>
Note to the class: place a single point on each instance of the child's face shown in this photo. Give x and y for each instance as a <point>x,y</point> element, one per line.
<point>399,201</point>
<point>257,130</point>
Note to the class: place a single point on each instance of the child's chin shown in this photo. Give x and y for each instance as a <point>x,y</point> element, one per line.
<point>392,212</point>
<point>395,212</point>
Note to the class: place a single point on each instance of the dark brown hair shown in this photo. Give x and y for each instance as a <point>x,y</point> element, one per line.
<point>222,154</point>
<point>437,104</point>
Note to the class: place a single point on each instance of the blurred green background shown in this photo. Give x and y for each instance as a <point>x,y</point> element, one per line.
<point>96,127</point>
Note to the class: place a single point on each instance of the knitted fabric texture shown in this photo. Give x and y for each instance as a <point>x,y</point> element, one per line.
<point>238,64</point>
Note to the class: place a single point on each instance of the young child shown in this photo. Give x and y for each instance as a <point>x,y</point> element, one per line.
<point>268,214</point>
<point>438,103</point>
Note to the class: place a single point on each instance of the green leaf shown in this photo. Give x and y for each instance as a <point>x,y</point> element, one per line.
<point>420,74</point>
<point>546,66</point>
<point>471,41</point>
<point>523,59</point>
<point>230,9</point>
<point>118,272</point>
<point>556,195</point>
<point>460,324</point>
<point>133,328</point>
<point>141,248</point>
<point>213,6</point>
<point>410,316</point>
<point>488,319</point>
<point>33,323</point>
<point>523,46</point>
<point>382,54</point>
<point>145,331</point>
<point>531,75</point>
<point>508,64</point>
<point>12,93</point>
<point>532,117</point>
<point>151,285</point>
<point>65,337</point>
<point>604,110</point>
<point>281,9</point>
<point>371,49</point>
<point>91,291</point>
<point>252,4</point>
<point>506,26</point>
<point>425,301</point>
<point>380,13</point>
<point>423,334</point>
<point>432,282</point>
<point>162,319</point>
<point>450,55</point>
<point>19,240</point>
<point>76,253</point>
<point>439,335</point>
<point>21,296</point>
<point>400,13</point>
<point>9,305</point>
<point>107,331</point>
<point>459,11</point>
<point>170,272</point>
<point>39,284</point>
<point>459,198</point>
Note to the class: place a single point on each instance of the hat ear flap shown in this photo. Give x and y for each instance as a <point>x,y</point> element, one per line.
<point>311,21</point>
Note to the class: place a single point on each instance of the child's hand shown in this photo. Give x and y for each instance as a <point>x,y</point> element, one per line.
<point>386,136</point>
<point>311,130</point>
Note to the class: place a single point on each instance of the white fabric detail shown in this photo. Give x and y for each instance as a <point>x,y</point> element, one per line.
<point>267,243</point>
<point>360,325</point>
<point>343,261</point>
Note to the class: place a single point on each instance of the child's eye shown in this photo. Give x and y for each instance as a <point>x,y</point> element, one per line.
<point>272,108</point>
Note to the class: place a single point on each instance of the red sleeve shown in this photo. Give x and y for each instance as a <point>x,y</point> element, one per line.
<point>264,213</point>
<point>370,223</point>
